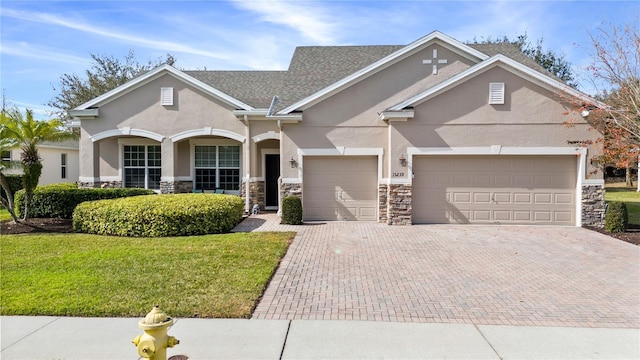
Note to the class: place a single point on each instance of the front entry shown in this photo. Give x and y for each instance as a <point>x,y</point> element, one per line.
<point>272,173</point>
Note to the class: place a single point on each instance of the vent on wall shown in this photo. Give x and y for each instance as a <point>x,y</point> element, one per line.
<point>166,96</point>
<point>496,93</point>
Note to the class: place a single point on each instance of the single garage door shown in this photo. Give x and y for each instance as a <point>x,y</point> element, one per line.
<point>340,188</point>
<point>494,189</point>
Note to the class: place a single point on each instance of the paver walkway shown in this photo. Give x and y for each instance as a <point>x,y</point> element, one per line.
<point>492,275</point>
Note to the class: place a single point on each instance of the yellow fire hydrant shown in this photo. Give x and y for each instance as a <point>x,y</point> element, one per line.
<point>154,342</point>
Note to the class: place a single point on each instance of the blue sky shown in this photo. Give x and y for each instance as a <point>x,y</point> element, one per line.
<point>42,40</point>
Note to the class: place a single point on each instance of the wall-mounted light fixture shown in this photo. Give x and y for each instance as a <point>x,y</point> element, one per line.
<point>403,160</point>
<point>293,163</point>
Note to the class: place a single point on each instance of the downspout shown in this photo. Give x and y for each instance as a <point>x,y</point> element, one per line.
<point>247,161</point>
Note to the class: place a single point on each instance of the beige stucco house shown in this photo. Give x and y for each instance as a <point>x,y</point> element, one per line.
<point>436,131</point>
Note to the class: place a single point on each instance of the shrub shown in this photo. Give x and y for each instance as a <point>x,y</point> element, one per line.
<point>292,210</point>
<point>59,200</point>
<point>616,218</point>
<point>160,215</point>
<point>15,184</point>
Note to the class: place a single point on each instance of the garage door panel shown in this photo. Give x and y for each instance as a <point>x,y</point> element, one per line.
<point>340,188</point>
<point>514,190</point>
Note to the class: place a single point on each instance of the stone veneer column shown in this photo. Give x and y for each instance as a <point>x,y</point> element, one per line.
<point>399,208</point>
<point>256,194</point>
<point>593,205</point>
<point>290,189</point>
<point>383,191</point>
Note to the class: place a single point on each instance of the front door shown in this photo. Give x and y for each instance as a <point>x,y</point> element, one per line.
<point>272,173</point>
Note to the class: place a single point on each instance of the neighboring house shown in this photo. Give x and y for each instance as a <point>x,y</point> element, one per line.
<point>59,161</point>
<point>436,131</point>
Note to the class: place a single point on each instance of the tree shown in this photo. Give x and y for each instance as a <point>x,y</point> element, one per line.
<point>28,133</point>
<point>616,66</point>
<point>553,62</point>
<point>5,145</point>
<point>106,73</point>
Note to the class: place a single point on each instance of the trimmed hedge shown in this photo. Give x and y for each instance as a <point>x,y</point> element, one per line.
<point>160,215</point>
<point>59,200</point>
<point>616,219</point>
<point>292,210</point>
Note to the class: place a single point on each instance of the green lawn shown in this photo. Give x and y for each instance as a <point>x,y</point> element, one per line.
<point>629,196</point>
<point>4,214</point>
<point>218,276</point>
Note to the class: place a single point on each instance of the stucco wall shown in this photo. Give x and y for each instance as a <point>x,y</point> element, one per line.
<point>52,165</point>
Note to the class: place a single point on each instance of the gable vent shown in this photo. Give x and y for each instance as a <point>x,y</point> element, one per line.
<point>496,93</point>
<point>166,96</point>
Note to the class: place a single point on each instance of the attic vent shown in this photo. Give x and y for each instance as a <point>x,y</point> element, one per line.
<point>496,93</point>
<point>166,96</point>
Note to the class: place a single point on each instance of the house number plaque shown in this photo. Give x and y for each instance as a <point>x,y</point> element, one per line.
<point>398,174</point>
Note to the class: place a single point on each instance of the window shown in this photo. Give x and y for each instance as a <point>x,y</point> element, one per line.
<point>5,155</point>
<point>63,166</point>
<point>142,166</point>
<point>496,93</point>
<point>217,167</point>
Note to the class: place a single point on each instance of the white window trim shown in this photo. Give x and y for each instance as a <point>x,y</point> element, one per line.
<point>64,165</point>
<point>213,142</point>
<point>10,156</point>
<point>134,142</point>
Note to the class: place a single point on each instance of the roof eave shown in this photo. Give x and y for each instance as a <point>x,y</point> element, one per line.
<point>156,73</point>
<point>496,60</point>
<point>379,65</point>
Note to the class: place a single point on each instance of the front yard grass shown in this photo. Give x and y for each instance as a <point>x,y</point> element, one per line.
<point>212,276</point>
<point>630,197</point>
<point>4,214</point>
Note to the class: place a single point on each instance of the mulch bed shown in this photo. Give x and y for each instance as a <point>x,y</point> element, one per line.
<point>55,225</point>
<point>38,225</point>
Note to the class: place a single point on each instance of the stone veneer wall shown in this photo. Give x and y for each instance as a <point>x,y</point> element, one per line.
<point>100,184</point>
<point>256,193</point>
<point>383,191</point>
<point>593,205</point>
<point>290,190</point>
<point>175,187</point>
<point>399,208</point>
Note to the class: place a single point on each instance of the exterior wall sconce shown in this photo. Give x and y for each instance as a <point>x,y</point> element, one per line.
<point>293,163</point>
<point>403,160</point>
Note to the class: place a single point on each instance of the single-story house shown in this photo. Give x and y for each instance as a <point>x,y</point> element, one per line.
<point>59,161</point>
<point>435,131</point>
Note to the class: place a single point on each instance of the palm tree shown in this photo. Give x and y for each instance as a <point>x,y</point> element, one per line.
<point>6,144</point>
<point>29,134</point>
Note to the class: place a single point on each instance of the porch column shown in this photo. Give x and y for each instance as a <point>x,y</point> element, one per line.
<point>167,170</point>
<point>89,170</point>
<point>246,166</point>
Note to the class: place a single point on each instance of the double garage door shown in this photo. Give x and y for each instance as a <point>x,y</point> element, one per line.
<point>340,188</point>
<point>495,189</point>
<point>448,189</point>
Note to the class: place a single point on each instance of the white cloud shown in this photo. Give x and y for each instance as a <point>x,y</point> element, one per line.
<point>309,19</point>
<point>79,25</point>
<point>25,50</point>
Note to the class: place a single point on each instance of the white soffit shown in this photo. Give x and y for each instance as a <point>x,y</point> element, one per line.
<point>155,74</point>
<point>434,37</point>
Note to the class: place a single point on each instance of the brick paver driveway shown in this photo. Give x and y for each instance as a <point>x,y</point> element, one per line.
<point>517,275</point>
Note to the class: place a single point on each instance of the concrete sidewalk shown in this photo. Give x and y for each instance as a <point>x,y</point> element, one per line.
<point>110,338</point>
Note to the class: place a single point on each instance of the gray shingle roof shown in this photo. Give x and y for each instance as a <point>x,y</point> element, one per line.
<point>313,68</point>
